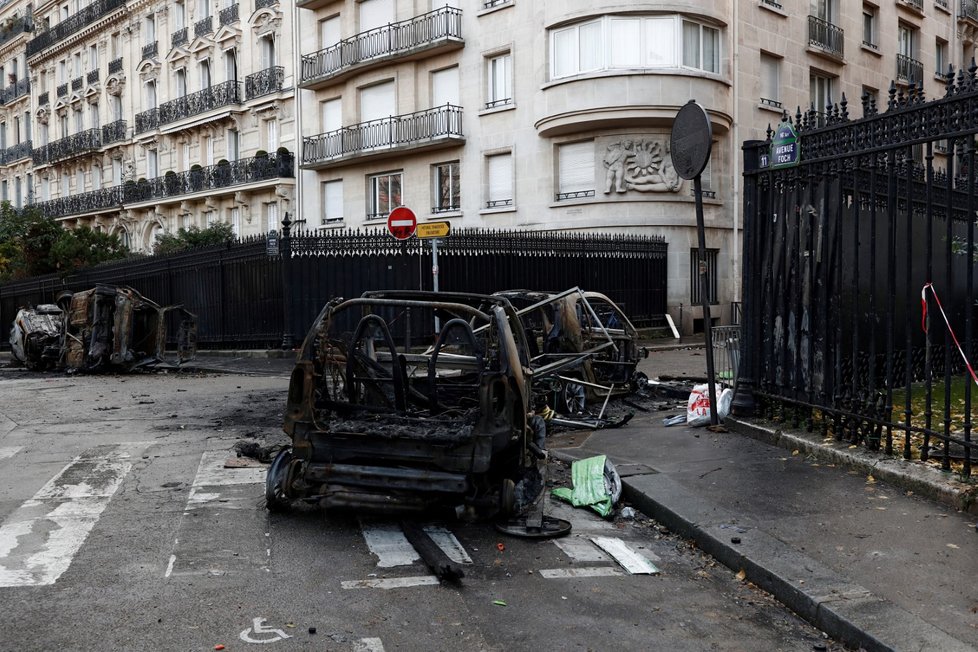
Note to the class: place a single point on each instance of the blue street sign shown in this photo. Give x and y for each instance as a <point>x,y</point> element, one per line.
<point>785,148</point>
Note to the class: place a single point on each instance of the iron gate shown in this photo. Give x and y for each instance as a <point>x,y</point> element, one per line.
<point>846,255</point>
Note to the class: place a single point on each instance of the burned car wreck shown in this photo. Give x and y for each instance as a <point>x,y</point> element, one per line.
<point>383,419</point>
<point>104,328</point>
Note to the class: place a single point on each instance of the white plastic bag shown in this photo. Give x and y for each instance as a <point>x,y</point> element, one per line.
<point>698,405</point>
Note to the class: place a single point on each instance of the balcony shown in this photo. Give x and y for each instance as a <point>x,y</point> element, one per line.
<point>916,5</point>
<point>264,82</point>
<point>18,26</point>
<point>62,90</point>
<point>179,37</point>
<point>969,11</point>
<point>262,4</point>
<point>115,66</point>
<point>92,77</point>
<point>114,132</point>
<point>826,37</point>
<point>86,202</point>
<point>73,24</point>
<point>16,152</point>
<point>908,71</point>
<point>76,84</point>
<point>228,15</point>
<point>75,145</point>
<point>223,94</point>
<point>431,129</point>
<point>42,99</point>
<point>204,27</point>
<point>426,35</point>
<point>150,50</point>
<point>18,89</point>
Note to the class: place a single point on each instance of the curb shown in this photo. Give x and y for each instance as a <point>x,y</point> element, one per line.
<point>246,353</point>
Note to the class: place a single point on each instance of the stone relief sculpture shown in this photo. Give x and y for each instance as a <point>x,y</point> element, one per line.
<point>643,165</point>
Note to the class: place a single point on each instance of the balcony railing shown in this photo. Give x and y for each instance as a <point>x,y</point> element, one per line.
<point>147,120</point>
<point>62,89</point>
<point>228,15</point>
<point>204,27</point>
<point>914,4</point>
<point>92,76</point>
<point>19,89</point>
<point>173,184</point>
<point>387,42</point>
<point>150,50</point>
<point>69,146</point>
<point>42,99</point>
<point>909,70</point>
<point>403,131</point>
<point>76,84</point>
<point>18,26</point>
<point>826,36</point>
<point>489,4</point>
<point>115,65</point>
<point>223,94</point>
<point>772,3</point>
<point>73,24</point>
<point>179,37</point>
<point>969,10</point>
<point>943,4</point>
<point>261,4</point>
<point>264,82</point>
<point>16,152</point>
<point>114,132</point>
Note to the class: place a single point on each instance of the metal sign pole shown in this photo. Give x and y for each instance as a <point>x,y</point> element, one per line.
<point>434,277</point>
<point>711,378</point>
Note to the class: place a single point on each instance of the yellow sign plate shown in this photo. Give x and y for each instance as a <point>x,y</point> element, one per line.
<point>433,229</point>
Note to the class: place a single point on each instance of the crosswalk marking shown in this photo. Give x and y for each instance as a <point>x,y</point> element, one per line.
<point>388,543</point>
<point>630,560</point>
<point>390,582</point>
<point>8,451</point>
<point>368,645</point>
<point>451,546</point>
<point>214,483</point>
<point>584,571</point>
<point>40,539</point>
<point>580,549</point>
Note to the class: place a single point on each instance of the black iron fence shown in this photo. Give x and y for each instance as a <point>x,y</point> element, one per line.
<point>244,298</point>
<point>846,255</point>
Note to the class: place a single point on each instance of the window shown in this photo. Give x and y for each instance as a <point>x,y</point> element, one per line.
<point>44,134</point>
<point>329,32</point>
<point>499,170</point>
<point>271,216</point>
<point>152,164</point>
<point>114,45</point>
<point>271,134</point>
<point>869,26</point>
<point>232,143</point>
<point>17,193</point>
<point>377,102</point>
<point>384,194</point>
<point>63,124</point>
<point>444,87</point>
<point>872,95</point>
<point>79,180</point>
<point>234,217</point>
<point>116,102</point>
<point>150,94</point>
<point>77,67</point>
<point>79,120</point>
<point>116,171</point>
<point>209,218</point>
<point>45,189</point>
<point>695,289</point>
<point>181,77</point>
<point>499,80</point>
<point>231,65</point>
<point>575,170</point>
<point>27,125</point>
<point>208,147</point>
<point>30,187</point>
<point>16,130</point>
<point>701,47</point>
<point>93,57</point>
<point>203,9</point>
<point>333,202</point>
<point>150,30</point>
<point>770,80</point>
<point>822,91</point>
<point>62,72</point>
<point>376,13</point>
<point>186,156</point>
<point>330,113</point>
<point>96,176</point>
<point>266,45</point>
<point>824,10</point>
<point>179,16</point>
<point>446,187</point>
<point>93,111</point>
<point>941,61</point>
<point>205,74</point>
<point>3,191</point>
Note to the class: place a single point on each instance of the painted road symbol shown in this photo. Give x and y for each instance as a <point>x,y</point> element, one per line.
<point>259,629</point>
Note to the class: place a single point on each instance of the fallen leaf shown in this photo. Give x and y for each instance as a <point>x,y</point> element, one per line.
<point>870,479</point>
<point>852,446</point>
<point>795,452</point>
<point>742,575</point>
<point>882,509</point>
<point>499,603</point>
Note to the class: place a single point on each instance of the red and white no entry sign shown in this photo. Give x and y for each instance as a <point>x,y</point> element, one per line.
<point>402,222</point>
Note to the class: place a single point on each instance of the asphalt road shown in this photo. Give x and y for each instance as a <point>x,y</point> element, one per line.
<point>121,528</point>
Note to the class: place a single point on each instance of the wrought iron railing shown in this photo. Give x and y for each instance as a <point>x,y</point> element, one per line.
<point>384,42</point>
<point>909,70</point>
<point>203,27</point>
<point>42,99</point>
<point>577,194</point>
<point>115,65</point>
<point>92,76</point>
<point>264,82</point>
<point>179,37</point>
<point>174,184</point>
<point>19,89</point>
<point>16,152</point>
<point>826,36</point>
<point>62,89</point>
<point>223,94</point>
<point>262,4</point>
<point>489,4</point>
<point>969,10</point>
<point>447,208</point>
<point>943,4</point>
<point>499,203</point>
<point>772,3</point>
<point>151,50</point>
<point>500,102</point>
<point>147,120</point>
<point>915,4</point>
<point>439,123</point>
<point>114,132</point>
<point>766,101</point>
<point>228,15</point>
<point>73,24</point>
<point>77,83</point>
<point>18,26</point>
<point>69,146</point>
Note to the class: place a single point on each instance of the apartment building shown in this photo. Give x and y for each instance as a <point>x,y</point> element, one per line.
<point>505,114</point>
<point>150,115</point>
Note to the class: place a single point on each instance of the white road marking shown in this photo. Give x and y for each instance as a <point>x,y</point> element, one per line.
<point>212,474</point>
<point>259,628</point>
<point>40,539</point>
<point>451,546</point>
<point>8,451</point>
<point>630,560</point>
<point>169,566</point>
<point>391,582</point>
<point>368,645</point>
<point>587,571</point>
<point>579,549</point>
<point>387,541</point>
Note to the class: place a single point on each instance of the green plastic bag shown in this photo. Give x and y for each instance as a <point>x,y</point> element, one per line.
<point>589,490</point>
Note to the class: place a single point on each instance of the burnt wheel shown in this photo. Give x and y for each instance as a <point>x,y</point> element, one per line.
<point>573,397</point>
<point>275,498</point>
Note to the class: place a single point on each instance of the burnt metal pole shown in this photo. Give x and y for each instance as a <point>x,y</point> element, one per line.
<point>286,253</point>
<point>711,378</point>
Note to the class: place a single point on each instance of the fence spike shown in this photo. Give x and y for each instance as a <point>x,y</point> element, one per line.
<point>891,103</point>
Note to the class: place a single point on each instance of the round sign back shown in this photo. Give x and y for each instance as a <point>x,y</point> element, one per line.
<point>692,140</point>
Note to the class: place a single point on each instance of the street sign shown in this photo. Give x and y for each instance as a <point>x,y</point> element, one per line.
<point>785,147</point>
<point>402,222</point>
<point>433,229</point>
<point>692,140</point>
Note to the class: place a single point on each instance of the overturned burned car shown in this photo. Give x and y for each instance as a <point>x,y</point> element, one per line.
<point>385,417</point>
<point>103,328</point>
<point>581,344</point>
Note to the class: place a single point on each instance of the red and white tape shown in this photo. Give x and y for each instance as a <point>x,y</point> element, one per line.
<point>923,324</point>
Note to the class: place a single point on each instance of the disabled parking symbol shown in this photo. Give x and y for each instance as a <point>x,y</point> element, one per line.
<point>260,634</point>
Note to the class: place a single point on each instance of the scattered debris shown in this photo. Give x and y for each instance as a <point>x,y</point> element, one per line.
<point>499,603</point>
<point>627,513</point>
<point>596,484</point>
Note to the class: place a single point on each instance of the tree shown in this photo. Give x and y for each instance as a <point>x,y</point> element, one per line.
<point>194,236</point>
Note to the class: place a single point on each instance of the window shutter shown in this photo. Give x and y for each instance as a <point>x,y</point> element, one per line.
<point>332,115</point>
<point>375,13</point>
<point>333,200</point>
<point>500,177</point>
<point>576,167</point>
<point>444,87</point>
<point>377,102</point>
<point>329,32</point>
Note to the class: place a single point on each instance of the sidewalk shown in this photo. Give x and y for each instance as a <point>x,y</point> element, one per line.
<point>865,559</point>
